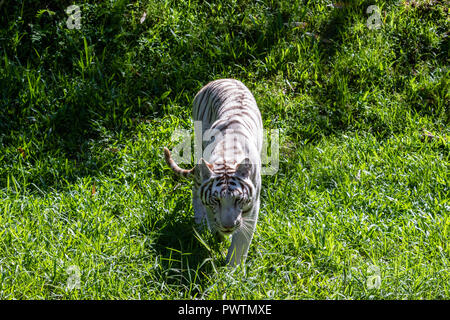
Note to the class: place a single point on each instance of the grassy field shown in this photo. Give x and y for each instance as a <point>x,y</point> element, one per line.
<point>359,208</point>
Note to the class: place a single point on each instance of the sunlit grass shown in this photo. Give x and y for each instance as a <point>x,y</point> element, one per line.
<point>363,185</point>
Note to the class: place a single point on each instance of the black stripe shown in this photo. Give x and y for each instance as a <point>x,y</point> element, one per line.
<point>205,107</point>
<point>200,103</point>
<point>225,124</point>
<point>203,190</point>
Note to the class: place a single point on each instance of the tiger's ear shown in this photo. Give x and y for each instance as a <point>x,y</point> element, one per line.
<point>244,168</point>
<point>204,169</point>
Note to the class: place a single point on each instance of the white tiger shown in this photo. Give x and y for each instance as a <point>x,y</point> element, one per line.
<point>227,180</point>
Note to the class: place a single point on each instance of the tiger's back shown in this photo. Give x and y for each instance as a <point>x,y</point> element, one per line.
<point>228,104</point>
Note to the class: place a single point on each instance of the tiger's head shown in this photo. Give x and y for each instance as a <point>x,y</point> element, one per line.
<point>227,193</point>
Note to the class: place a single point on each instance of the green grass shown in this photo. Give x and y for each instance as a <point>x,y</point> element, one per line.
<point>84,115</point>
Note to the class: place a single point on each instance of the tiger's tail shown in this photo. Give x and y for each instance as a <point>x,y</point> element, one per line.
<point>171,163</point>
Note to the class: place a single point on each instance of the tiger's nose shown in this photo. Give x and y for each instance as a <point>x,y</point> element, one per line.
<point>229,226</point>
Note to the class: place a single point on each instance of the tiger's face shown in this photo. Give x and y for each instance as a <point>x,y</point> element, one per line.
<point>227,198</point>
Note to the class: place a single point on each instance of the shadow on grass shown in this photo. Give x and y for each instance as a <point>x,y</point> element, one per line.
<point>185,255</point>
<point>51,93</point>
